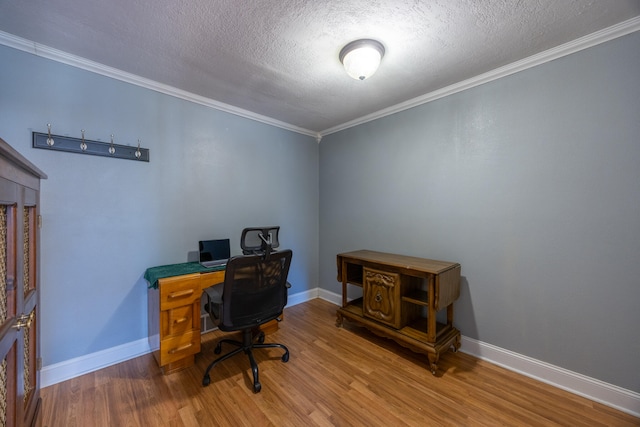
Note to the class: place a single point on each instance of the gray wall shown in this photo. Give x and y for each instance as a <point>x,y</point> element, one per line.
<point>107,220</point>
<point>532,183</point>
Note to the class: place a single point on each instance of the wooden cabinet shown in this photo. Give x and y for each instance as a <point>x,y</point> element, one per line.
<point>401,298</point>
<point>19,290</point>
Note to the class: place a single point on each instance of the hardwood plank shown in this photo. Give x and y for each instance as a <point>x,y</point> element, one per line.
<point>335,377</point>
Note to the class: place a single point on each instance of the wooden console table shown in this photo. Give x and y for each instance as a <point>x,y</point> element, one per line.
<point>401,297</point>
<point>174,312</point>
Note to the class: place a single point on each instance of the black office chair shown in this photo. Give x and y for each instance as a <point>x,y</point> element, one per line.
<point>254,292</point>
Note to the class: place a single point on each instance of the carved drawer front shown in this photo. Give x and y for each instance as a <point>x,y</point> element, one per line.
<point>381,297</point>
<point>179,347</point>
<point>179,320</point>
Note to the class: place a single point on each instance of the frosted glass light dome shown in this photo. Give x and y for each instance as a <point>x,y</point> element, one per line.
<point>361,58</point>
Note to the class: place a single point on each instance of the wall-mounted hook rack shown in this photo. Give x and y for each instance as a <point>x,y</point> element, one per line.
<point>48,141</point>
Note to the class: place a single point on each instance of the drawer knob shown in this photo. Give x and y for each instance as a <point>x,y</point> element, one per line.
<point>378,297</point>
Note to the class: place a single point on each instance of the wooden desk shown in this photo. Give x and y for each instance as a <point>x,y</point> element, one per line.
<point>401,297</point>
<point>174,314</point>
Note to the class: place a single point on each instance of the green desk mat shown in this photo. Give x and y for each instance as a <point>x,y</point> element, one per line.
<point>153,274</point>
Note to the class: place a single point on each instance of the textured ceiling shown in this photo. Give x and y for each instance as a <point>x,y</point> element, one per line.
<point>279,58</point>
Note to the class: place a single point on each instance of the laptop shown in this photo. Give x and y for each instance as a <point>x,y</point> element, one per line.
<point>214,253</point>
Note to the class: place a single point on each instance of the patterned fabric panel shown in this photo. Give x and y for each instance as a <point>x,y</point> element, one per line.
<point>26,218</point>
<point>3,264</point>
<point>28,386</point>
<point>3,393</point>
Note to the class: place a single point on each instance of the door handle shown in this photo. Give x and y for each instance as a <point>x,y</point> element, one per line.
<point>24,321</point>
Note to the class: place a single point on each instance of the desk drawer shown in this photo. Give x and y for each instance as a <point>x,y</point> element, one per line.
<point>179,320</point>
<point>179,347</point>
<point>179,291</point>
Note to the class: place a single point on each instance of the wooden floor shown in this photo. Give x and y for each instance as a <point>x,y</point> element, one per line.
<point>335,377</point>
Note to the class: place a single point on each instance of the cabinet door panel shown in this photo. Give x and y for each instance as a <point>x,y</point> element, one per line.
<point>19,290</point>
<point>8,380</point>
<point>381,296</point>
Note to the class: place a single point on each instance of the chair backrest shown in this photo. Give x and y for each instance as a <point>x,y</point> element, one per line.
<point>255,289</point>
<point>259,240</point>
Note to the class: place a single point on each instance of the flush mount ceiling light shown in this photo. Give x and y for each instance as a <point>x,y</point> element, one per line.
<point>361,58</point>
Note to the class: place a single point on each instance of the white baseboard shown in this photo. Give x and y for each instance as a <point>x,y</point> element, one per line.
<point>616,397</point>
<point>332,297</point>
<point>58,372</point>
<point>591,388</point>
<point>301,297</point>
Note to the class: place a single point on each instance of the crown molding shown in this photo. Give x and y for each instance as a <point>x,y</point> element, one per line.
<point>610,33</point>
<point>75,61</point>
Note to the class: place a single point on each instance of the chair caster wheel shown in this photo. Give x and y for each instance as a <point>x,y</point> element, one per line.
<point>218,349</point>
<point>206,380</point>
<point>285,357</point>
<point>257,387</point>
<point>261,338</point>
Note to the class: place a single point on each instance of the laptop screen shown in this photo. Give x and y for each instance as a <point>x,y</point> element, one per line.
<point>211,250</point>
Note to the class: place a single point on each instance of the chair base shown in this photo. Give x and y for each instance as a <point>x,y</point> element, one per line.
<point>246,346</point>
